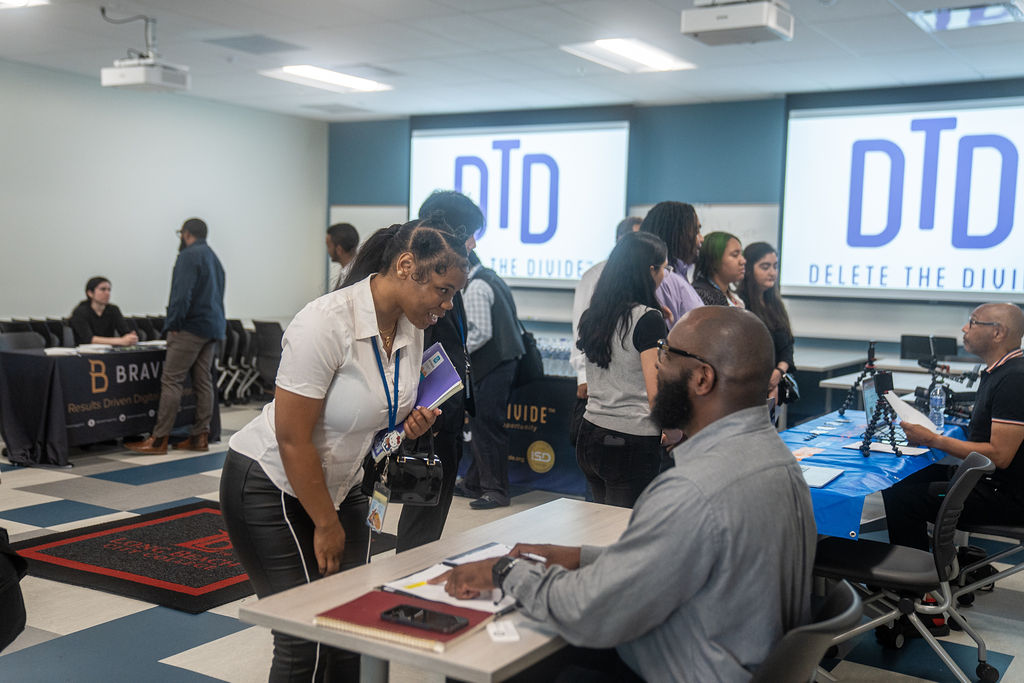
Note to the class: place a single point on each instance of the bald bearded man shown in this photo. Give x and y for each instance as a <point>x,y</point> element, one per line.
<point>996,430</point>
<point>715,565</point>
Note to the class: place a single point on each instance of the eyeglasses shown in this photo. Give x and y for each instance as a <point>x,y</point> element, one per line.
<point>971,322</point>
<point>664,349</point>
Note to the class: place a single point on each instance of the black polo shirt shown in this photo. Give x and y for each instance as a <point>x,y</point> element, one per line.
<point>86,324</point>
<point>1001,399</point>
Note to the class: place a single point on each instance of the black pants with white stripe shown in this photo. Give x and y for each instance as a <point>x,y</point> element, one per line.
<point>273,538</point>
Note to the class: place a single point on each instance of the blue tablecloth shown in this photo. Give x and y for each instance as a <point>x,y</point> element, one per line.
<point>839,504</point>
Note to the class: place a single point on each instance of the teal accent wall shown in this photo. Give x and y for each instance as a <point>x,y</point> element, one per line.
<point>725,152</point>
<point>369,163</point>
<point>729,153</point>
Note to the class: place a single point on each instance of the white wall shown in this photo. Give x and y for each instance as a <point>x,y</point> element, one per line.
<point>94,181</point>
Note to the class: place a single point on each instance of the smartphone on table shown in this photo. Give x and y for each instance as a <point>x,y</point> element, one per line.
<point>429,620</point>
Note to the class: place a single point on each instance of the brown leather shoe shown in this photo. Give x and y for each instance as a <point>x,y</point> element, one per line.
<point>195,442</point>
<point>150,446</point>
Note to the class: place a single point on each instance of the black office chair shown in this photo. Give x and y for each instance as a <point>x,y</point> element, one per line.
<point>21,341</point>
<point>893,579</point>
<point>268,351</point>
<point>43,329</point>
<point>15,326</point>
<point>915,347</point>
<point>795,659</point>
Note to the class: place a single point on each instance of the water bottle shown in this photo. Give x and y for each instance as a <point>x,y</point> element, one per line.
<point>937,405</point>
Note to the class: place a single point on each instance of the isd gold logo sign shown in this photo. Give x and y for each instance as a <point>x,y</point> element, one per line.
<point>540,456</point>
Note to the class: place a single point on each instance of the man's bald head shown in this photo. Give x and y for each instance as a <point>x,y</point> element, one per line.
<point>1009,317</point>
<point>736,344</point>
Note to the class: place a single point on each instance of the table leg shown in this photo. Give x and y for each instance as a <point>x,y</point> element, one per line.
<point>373,670</point>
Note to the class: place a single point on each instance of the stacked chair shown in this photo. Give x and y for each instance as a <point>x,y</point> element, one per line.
<point>236,364</point>
<point>268,352</point>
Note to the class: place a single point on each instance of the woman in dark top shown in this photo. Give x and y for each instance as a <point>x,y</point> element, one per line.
<point>760,291</point>
<point>97,321</point>
<point>619,446</point>
<point>719,266</point>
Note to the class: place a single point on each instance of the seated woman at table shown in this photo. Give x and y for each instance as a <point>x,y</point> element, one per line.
<point>619,446</point>
<point>97,321</point>
<point>720,265</point>
<point>350,365</point>
<point>760,292</point>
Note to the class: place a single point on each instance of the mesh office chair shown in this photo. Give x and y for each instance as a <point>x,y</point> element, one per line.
<point>268,352</point>
<point>893,578</point>
<point>795,659</point>
<point>21,341</point>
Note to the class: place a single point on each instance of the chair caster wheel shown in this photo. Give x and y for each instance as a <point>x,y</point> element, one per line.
<point>987,673</point>
<point>966,600</point>
<point>891,637</point>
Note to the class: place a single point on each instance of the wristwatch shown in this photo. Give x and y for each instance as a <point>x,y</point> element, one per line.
<point>500,569</point>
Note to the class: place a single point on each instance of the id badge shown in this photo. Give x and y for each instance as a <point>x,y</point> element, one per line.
<point>385,443</point>
<point>378,507</point>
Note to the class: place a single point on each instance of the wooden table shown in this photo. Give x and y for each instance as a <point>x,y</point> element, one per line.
<point>477,658</point>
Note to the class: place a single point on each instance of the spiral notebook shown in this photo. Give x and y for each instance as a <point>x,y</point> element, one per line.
<point>362,618</point>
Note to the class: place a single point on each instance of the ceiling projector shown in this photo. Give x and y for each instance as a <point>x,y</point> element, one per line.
<point>145,73</point>
<point>731,22</point>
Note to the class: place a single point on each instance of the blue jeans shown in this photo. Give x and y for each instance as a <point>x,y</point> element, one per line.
<point>618,466</point>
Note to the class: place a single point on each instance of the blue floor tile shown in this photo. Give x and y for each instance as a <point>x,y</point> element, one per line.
<point>148,474</point>
<point>126,649</point>
<point>55,512</point>
<point>170,504</point>
<point>917,659</point>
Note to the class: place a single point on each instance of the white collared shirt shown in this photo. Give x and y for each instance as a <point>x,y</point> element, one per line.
<point>327,353</point>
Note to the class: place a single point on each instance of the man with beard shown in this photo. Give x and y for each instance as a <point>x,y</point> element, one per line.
<point>715,565</point>
<point>194,322</point>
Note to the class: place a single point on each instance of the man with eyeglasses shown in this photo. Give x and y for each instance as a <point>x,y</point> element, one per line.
<point>996,430</point>
<point>716,563</point>
<point>193,324</point>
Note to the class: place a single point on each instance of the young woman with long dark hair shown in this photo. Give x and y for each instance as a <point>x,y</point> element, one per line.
<point>350,363</point>
<point>678,226</point>
<point>760,291</point>
<point>619,446</point>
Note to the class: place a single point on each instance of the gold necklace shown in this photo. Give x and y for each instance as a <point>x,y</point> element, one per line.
<point>388,338</point>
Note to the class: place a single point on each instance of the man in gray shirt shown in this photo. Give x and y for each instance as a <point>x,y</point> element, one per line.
<point>716,563</point>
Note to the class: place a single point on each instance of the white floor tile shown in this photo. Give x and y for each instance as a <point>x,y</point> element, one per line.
<point>78,524</point>
<point>30,476</point>
<point>13,498</point>
<point>63,608</point>
<point>15,528</point>
<point>242,657</point>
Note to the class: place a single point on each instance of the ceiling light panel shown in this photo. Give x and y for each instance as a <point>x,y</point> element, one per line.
<point>325,79</point>
<point>957,18</point>
<point>627,55</point>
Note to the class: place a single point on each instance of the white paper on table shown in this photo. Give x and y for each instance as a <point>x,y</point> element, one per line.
<point>908,413</point>
<point>484,552</point>
<point>882,447</point>
<point>416,585</point>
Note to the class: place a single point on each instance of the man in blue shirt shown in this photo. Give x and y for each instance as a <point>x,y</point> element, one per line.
<point>195,321</point>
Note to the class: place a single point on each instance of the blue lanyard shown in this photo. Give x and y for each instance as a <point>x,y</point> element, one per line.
<point>392,404</point>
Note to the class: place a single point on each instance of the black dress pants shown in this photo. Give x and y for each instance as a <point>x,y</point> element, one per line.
<point>488,473</point>
<point>273,538</point>
<point>618,466</point>
<point>910,505</point>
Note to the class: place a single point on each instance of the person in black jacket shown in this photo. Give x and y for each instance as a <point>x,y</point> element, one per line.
<point>495,346</point>
<point>760,292</point>
<point>97,321</point>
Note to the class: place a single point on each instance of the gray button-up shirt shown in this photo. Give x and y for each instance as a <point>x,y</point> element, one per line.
<point>714,567</point>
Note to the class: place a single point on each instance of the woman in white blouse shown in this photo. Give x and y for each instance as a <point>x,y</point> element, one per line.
<point>349,368</point>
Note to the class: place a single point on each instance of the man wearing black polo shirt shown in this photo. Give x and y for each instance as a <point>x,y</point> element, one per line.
<point>996,430</point>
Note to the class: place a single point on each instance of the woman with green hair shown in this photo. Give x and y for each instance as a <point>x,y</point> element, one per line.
<point>720,265</point>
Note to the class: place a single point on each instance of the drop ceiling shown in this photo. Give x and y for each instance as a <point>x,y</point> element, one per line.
<point>446,56</point>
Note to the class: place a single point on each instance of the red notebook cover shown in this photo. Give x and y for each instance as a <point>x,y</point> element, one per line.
<point>362,617</point>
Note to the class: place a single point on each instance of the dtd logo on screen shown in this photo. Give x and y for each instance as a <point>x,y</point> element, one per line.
<point>505,147</point>
<point>551,195</point>
<point>932,130</point>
